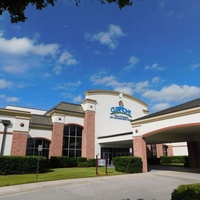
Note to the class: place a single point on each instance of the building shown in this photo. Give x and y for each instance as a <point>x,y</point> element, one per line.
<point>107,123</point>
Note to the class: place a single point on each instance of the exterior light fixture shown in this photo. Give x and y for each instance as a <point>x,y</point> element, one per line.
<point>5,123</point>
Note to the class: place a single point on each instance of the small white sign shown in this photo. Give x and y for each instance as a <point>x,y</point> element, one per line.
<point>39,147</point>
<point>101,162</point>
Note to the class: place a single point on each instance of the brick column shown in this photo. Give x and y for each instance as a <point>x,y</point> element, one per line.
<point>170,150</point>
<point>19,143</point>
<point>159,148</point>
<point>140,150</point>
<point>57,140</point>
<point>194,154</point>
<point>88,136</point>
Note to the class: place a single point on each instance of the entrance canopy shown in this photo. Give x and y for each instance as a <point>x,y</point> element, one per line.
<point>177,124</point>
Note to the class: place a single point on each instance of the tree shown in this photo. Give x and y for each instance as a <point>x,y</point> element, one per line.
<point>16,8</point>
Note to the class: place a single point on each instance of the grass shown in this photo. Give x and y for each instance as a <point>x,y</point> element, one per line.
<point>174,164</point>
<point>55,174</point>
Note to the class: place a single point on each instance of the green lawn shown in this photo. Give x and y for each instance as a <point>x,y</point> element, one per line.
<point>55,174</point>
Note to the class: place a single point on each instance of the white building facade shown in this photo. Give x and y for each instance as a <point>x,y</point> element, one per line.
<point>105,124</point>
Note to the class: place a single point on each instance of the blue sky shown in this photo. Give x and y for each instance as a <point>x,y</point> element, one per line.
<point>150,50</point>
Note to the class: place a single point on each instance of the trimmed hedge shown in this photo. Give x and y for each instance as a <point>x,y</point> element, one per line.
<point>128,164</point>
<point>59,161</point>
<point>21,164</point>
<point>173,159</point>
<point>187,192</point>
<point>83,164</point>
<point>92,162</point>
<point>64,161</point>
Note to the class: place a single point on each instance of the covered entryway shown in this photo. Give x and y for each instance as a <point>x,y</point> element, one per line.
<point>177,124</point>
<point>115,145</point>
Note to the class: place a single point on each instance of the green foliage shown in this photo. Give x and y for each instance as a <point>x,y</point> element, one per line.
<point>74,161</point>
<point>16,8</point>
<point>128,164</point>
<point>64,161</point>
<point>83,164</point>
<point>21,164</point>
<point>92,162</point>
<point>187,192</point>
<point>60,161</point>
<point>173,159</point>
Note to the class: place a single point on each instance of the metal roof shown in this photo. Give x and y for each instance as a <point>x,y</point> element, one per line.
<point>184,106</point>
<point>69,107</point>
<point>41,120</point>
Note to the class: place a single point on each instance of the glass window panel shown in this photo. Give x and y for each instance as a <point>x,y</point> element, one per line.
<point>78,143</point>
<point>78,153</point>
<point>32,147</point>
<point>30,143</point>
<point>65,152</point>
<point>79,131</point>
<point>66,130</point>
<point>65,142</point>
<point>29,152</point>
<point>72,142</point>
<point>72,130</point>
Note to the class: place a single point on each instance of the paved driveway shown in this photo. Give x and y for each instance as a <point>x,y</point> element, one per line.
<point>154,185</point>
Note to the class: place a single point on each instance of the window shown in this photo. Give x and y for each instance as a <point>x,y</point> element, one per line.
<point>72,141</point>
<point>32,147</point>
<point>153,151</point>
<point>165,147</point>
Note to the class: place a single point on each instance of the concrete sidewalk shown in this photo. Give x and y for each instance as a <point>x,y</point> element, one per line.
<point>143,185</point>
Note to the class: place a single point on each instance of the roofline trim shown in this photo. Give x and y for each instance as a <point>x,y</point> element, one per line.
<point>116,93</point>
<point>180,113</point>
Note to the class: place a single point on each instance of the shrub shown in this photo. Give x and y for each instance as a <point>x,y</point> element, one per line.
<point>187,192</point>
<point>128,164</point>
<point>92,162</point>
<point>21,164</point>
<point>60,161</point>
<point>64,161</point>
<point>83,164</point>
<point>173,159</point>
<point>75,160</point>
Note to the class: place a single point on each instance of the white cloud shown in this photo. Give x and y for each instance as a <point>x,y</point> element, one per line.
<point>22,46</point>
<point>57,69</point>
<point>142,86</point>
<point>78,99</point>
<point>5,84</point>
<point>8,99</point>
<point>14,69</point>
<point>2,96</point>
<point>47,75</point>
<point>131,63</point>
<point>155,66</point>
<point>173,93</point>
<point>126,87</point>
<point>67,58</point>
<point>160,106</point>
<point>69,85</point>
<point>156,79</point>
<point>108,38</point>
<point>12,99</point>
<point>195,66</point>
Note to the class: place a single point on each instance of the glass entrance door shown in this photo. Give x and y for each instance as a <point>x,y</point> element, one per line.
<point>109,156</point>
